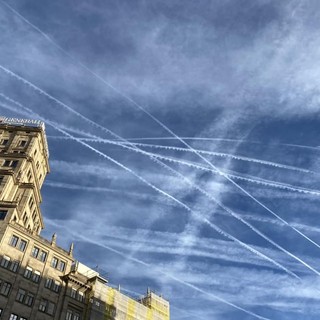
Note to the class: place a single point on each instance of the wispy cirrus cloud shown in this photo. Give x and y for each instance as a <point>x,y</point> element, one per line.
<point>234,72</point>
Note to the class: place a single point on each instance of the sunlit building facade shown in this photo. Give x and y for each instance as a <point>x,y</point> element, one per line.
<point>38,279</point>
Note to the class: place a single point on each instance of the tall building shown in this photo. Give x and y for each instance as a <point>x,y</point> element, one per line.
<point>38,279</point>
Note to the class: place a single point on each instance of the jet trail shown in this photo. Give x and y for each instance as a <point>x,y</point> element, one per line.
<point>199,217</point>
<point>232,213</point>
<point>315,148</point>
<point>257,180</point>
<point>220,154</point>
<point>150,115</point>
<point>167,167</point>
<point>196,215</point>
<point>227,155</point>
<point>170,276</point>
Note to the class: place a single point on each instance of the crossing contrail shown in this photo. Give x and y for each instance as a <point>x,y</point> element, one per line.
<point>223,155</point>
<point>315,148</point>
<point>196,215</point>
<point>256,180</point>
<point>172,170</point>
<point>227,155</point>
<point>232,213</point>
<point>170,276</point>
<point>150,115</point>
<point>170,197</point>
<point>155,119</point>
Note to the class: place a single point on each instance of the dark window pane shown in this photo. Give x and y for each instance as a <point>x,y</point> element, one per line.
<point>3,214</point>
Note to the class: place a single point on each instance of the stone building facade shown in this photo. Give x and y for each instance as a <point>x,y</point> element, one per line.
<point>38,279</point>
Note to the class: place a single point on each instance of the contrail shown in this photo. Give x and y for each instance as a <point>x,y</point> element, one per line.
<point>166,128</point>
<point>170,197</point>
<point>315,148</point>
<point>232,213</point>
<point>227,155</point>
<point>170,276</point>
<point>175,172</point>
<point>220,154</point>
<point>257,180</point>
<point>196,215</point>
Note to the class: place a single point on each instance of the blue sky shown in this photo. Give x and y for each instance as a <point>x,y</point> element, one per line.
<point>224,222</point>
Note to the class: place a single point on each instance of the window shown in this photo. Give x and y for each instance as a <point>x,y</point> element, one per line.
<point>5,261</point>
<point>69,315</point>
<point>73,293</point>
<point>54,262</point>
<point>56,286</point>
<point>61,265</point>
<point>10,163</point>
<point>4,142</point>
<point>51,308</point>
<point>14,163</point>
<point>3,214</point>
<point>13,316</point>
<point>8,264</point>
<point>25,218</point>
<point>58,264</point>
<point>33,275</point>
<point>42,256</point>
<point>21,295</point>
<point>14,266</point>
<point>35,152</point>
<point>72,315</point>
<point>31,203</point>
<point>34,214</point>
<point>47,307</point>
<point>25,297</point>
<point>39,254</point>
<point>35,252</point>
<point>29,175</point>
<point>22,245</point>
<point>53,285</point>
<point>28,273</point>
<point>80,296</point>
<point>13,241</point>
<point>43,305</point>
<point>48,283</point>
<point>29,300</point>
<point>37,165</point>
<point>5,288</point>
<point>22,143</point>
<point>6,163</point>
<point>36,276</point>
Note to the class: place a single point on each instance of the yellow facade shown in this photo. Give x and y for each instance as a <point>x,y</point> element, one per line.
<point>122,307</point>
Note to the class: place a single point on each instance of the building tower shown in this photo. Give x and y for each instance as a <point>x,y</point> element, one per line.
<point>38,279</point>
